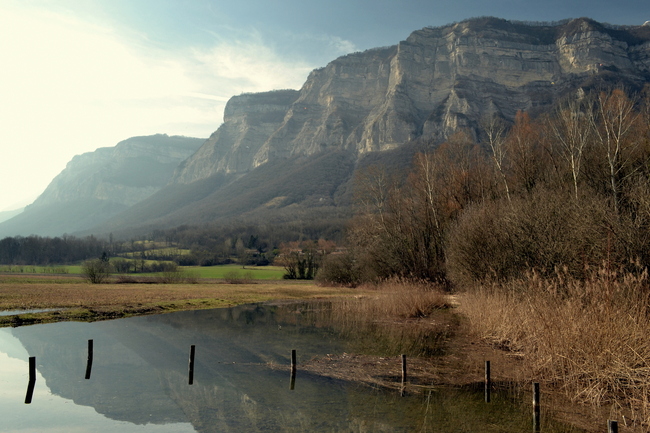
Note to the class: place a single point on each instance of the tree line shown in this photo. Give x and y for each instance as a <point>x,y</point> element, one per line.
<point>569,189</point>
<point>37,250</point>
<point>247,243</point>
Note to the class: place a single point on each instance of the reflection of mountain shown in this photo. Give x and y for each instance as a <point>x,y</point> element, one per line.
<point>140,370</point>
<point>140,375</point>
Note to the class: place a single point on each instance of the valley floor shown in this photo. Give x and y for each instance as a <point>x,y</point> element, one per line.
<point>459,363</point>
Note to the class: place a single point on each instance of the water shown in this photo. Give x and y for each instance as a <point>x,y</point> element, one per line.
<point>17,312</point>
<point>139,380</point>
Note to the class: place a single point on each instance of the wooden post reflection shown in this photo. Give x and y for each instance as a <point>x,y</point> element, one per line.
<point>488,382</point>
<point>32,380</point>
<point>536,409</point>
<point>292,382</point>
<point>89,365</point>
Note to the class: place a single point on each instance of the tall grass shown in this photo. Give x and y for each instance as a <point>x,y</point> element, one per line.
<point>589,337</point>
<point>375,322</point>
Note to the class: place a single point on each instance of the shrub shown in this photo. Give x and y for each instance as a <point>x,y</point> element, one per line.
<point>234,277</point>
<point>544,231</point>
<point>339,270</point>
<point>96,271</point>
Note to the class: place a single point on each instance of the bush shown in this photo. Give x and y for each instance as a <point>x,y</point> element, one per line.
<point>339,270</point>
<point>503,240</point>
<point>234,277</point>
<point>96,271</point>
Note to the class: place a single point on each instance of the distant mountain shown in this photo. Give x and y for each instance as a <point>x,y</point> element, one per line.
<point>97,185</point>
<point>290,154</point>
<point>5,215</point>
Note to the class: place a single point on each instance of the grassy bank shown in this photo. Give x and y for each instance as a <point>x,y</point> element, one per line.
<point>588,339</point>
<point>79,300</point>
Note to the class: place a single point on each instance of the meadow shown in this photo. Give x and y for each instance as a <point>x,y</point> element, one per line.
<point>77,299</point>
<point>212,272</point>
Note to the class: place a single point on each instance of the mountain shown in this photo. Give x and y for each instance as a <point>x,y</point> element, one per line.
<point>385,101</point>
<point>96,185</point>
<point>438,80</point>
<point>290,154</point>
<point>8,214</point>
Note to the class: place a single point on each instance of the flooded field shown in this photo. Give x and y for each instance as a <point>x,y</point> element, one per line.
<point>139,380</point>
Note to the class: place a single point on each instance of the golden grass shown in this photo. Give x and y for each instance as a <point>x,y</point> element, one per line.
<point>590,338</point>
<point>395,299</point>
<point>117,300</point>
<point>393,317</point>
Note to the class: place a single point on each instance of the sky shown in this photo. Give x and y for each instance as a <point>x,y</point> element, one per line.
<point>76,75</point>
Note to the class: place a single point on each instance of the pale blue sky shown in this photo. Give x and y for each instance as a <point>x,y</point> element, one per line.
<point>83,74</point>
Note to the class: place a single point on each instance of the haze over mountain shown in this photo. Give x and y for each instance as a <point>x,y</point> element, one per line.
<point>291,154</point>
<point>97,185</point>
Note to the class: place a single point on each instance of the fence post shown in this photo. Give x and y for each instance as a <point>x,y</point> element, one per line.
<point>292,383</point>
<point>191,368</point>
<point>612,426</point>
<point>89,364</point>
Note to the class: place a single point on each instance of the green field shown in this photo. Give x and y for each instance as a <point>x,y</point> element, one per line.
<point>221,271</point>
<point>29,269</point>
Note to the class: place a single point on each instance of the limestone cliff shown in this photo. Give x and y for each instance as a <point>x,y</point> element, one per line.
<point>428,86</point>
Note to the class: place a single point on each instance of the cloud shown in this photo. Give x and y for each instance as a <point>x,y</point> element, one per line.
<point>69,86</point>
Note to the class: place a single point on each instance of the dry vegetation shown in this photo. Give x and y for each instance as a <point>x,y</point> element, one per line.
<point>588,338</point>
<point>86,301</point>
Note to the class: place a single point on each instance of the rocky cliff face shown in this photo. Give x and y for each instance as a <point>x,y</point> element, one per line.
<point>125,174</point>
<point>428,86</point>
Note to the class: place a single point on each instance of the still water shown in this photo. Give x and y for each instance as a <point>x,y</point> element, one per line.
<point>139,380</point>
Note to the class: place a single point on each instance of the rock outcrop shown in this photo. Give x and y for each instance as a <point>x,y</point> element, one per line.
<point>426,87</point>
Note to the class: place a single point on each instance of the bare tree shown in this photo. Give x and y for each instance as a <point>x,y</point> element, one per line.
<point>96,271</point>
<point>523,151</point>
<point>570,129</point>
<point>612,124</point>
<point>494,129</point>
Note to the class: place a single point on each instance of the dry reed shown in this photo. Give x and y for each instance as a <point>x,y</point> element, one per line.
<point>589,337</point>
<point>396,316</point>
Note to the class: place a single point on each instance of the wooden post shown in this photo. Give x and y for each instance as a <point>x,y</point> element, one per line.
<point>488,384</point>
<point>32,369</point>
<point>89,364</point>
<point>32,380</point>
<point>292,383</point>
<point>191,373</point>
<point>612,426</point>
<point>536,408</point>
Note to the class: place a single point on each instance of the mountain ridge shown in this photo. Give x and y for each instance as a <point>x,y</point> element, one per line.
<point>391,99</point>
<point>96,185</point>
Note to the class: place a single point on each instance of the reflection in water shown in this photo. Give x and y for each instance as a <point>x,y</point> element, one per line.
<point>139,379</point>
